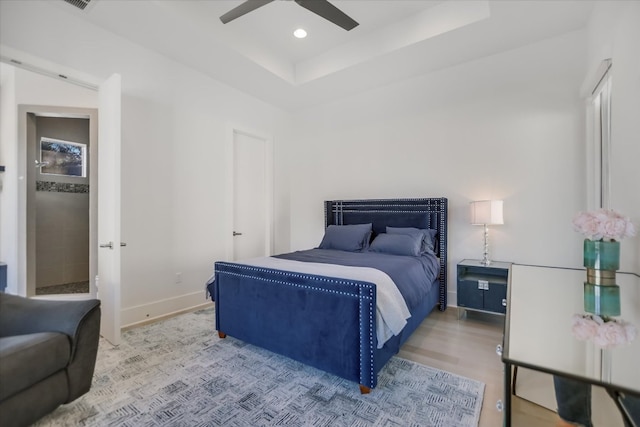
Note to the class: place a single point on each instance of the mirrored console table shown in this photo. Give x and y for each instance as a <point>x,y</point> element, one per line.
<point>540,304</point>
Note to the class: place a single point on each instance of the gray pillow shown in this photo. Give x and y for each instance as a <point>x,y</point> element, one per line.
<point>428,236</point>
<point>352,238</point>
<point>397,244</point>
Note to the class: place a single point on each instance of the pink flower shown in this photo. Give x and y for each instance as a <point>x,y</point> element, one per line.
<point>610,334</point>
<point>604,224</point>
<point>583,328</point>
<point>605,333</point>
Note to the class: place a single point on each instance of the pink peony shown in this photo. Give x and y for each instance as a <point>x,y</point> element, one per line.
<point>583,328</point>
<point>605,333</point>
<point>586,223</point>
<point>614,228</point>
<point>604,224</point>
<point>610,334</point>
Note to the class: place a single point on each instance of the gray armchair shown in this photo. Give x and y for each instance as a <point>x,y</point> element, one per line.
<point>48,353</point>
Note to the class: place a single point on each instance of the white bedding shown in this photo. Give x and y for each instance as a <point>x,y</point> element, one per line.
<point>391,310</point>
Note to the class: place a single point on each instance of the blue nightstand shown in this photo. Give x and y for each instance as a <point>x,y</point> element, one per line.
<point>481,287</point>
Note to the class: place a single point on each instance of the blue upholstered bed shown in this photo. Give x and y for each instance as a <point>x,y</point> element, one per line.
<point>329,321</point>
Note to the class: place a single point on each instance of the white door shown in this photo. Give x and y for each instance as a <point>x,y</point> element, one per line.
<point>109,207</point>
<point>252,204</point>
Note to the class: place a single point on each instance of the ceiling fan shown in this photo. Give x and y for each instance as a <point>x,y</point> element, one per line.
<point>320,7</point>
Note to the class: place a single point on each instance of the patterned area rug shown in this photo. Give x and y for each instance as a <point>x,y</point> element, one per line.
<point>179,373</point>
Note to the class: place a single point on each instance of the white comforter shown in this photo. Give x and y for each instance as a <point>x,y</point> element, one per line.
<point>391,310</point>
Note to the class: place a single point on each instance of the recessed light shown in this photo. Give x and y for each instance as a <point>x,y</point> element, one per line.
<point>300,33</point>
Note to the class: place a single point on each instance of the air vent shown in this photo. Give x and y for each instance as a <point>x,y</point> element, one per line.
<point>80,4</point>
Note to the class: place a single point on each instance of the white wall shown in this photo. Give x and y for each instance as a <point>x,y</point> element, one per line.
<point>614,32</point>
<point>174,125</point>
<point>9,178</point>
<point>508,126</point>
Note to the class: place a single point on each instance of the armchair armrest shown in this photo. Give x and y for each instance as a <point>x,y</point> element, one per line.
<point>19,315</point>
<point>78,319</point>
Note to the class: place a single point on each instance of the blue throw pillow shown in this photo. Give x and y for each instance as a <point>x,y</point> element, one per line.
<point>352,238</point>
<point>397,244</point>
<point>428,236</point>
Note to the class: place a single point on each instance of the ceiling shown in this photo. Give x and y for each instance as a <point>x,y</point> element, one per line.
<point>395,40</point>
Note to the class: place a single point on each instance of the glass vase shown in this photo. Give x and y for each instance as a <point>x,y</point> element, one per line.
<point>601,294</point>
<point>602,300</point>
<point>601,255</point>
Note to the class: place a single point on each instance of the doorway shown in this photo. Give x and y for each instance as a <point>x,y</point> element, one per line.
<point>62,183</point>
<point>252,195</point>
<point>61,156</point>
<point>33,87</point>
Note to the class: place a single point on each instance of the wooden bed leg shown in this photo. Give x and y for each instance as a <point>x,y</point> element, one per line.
<point>364,389</point>
<point>222,334</point>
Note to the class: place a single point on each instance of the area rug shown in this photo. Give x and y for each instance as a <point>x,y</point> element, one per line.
<point>179,373</point>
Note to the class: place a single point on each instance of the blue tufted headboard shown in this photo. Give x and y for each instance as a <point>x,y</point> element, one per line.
<point>419,213</point>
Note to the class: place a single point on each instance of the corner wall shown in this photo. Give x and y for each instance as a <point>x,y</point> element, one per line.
<point>509,126</point>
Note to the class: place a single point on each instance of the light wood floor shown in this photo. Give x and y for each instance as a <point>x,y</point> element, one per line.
<point>467,347</point>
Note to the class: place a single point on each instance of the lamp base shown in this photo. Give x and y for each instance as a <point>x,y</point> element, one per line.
<point>485,258</point>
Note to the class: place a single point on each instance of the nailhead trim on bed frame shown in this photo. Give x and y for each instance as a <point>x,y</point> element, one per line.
<point>371,340</point>
<point>359,287</point>
<point>282,282</point>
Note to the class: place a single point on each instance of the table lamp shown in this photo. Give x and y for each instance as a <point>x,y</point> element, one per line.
<point>486,212</point>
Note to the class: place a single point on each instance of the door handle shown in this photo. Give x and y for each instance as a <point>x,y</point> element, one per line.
<point>235,233</point>
<point>110,245</point>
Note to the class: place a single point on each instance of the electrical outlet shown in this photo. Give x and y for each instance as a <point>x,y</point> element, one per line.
<point>178,278</point>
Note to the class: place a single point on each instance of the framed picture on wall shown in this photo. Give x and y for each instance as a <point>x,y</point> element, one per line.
<point>59,157</point>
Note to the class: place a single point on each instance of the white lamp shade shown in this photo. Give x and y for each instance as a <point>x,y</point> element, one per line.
<point>487,212</point>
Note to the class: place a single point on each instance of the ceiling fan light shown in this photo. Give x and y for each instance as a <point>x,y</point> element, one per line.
<point>300,33</point>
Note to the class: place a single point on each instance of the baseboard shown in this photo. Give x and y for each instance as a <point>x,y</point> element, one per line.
<point>452,299</point>
<point>158,310</point>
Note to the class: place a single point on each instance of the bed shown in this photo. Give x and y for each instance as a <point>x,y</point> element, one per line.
<point>326,319</point>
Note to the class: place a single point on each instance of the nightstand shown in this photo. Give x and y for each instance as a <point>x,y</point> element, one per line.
<point>481,287</point>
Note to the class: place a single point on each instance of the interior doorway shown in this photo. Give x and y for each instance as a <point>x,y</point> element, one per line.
<point>33,92</point>
<point>61,157</point>
<point>252,195</point>
<point>62,183</point>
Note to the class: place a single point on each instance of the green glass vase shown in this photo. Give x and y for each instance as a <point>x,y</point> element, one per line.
<point>601,255</point>
<point>602,300</point>
<point>601,294</point>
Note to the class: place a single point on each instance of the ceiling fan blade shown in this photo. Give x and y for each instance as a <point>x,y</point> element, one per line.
<point>243,9</point>
<point>329,12</point>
